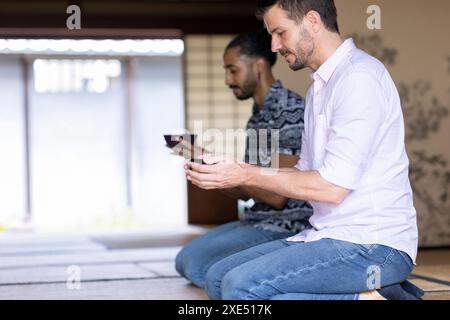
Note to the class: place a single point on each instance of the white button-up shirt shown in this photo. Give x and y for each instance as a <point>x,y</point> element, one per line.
<point>354,137</point>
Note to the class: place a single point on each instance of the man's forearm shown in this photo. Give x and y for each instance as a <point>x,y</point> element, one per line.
<point>296,184</point>
<point>286,182</point>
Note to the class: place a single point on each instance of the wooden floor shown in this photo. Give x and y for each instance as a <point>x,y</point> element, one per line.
<point>133,267</point>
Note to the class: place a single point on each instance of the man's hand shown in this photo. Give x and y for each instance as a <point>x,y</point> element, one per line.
<point>287,182</point>
<point>224,174</point>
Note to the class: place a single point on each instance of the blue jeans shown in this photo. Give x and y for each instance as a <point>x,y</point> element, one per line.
<point>194,260</point>
<point>326,269</point>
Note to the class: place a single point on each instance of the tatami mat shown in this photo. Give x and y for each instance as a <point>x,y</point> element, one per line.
<point>133,267</point>
<point>152,289</point>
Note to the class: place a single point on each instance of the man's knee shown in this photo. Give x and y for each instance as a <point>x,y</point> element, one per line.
<point>179,263</point>
<point>196,277</point>
<point>183,257</point>
<point>235,285</point>
<point>213,281</point>
<point>195,269</point>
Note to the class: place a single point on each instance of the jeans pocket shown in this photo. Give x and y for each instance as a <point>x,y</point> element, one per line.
<point>346,248</point>
<point>368,247</point>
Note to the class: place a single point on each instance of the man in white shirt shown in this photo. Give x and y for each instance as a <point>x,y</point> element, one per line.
<point>353,169</point>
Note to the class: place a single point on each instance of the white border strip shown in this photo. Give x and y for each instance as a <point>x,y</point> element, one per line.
<point>126,47</point>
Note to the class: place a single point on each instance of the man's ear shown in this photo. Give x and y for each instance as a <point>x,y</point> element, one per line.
<point>261,65</point>
<point>314,19</point>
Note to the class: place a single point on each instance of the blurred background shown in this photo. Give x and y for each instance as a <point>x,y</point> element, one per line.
<point>82,112</point>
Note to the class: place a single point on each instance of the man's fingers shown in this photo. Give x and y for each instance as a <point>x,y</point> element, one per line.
<point>202,168</point>
<point>203,184</point>
<point>211,158</point>
<point>201,176</point>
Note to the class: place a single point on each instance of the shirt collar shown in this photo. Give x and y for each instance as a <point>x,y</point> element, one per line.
<point>327,69</point>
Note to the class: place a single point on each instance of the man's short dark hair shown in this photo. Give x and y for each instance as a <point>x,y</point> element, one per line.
<point>255,45</point>
<point>297,9</point>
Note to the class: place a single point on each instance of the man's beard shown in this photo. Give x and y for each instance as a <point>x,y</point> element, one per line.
<point>247,90</point>
<point>301,56</point>
<point>299,62</point>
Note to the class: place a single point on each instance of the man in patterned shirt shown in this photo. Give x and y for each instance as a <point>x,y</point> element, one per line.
<point>277,111</point>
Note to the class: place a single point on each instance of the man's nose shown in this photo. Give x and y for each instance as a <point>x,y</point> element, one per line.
<point>276,44</point>
<point>227,79</point>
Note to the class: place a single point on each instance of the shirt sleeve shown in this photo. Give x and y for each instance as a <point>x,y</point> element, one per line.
<point>358,114</point>
<point>303,164</point>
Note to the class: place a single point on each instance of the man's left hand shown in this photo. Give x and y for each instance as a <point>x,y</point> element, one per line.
<point>226,173</point>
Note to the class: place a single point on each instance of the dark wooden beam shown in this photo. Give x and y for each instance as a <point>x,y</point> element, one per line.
<point>198,17</point>
<point>207,25</point>
<point>91,33</point>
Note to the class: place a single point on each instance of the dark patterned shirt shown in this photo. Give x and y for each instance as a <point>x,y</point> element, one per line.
<point>282,115</point>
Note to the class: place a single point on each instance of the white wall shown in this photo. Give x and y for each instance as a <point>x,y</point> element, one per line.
<point>159,183</point>
<point>78,162</point>
<point>77,157</point>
